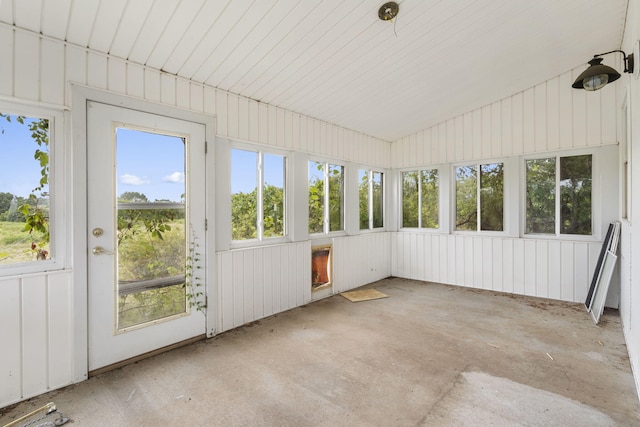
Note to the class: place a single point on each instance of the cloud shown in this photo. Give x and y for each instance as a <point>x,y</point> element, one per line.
<point>174,177</point>
<point>133,180</point>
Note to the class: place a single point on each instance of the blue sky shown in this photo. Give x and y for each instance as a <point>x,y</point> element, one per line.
<point>150,164</point>
<point>147,163</point>
<point>19,171</point>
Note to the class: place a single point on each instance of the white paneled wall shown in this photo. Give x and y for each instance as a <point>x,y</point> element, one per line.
<point>36,335</point>
<point>362,259</point>
<point>36,311</point>
<point>548,117</point>
<point>257,282</point>
<point>43,68</point>
<point>536,267</point>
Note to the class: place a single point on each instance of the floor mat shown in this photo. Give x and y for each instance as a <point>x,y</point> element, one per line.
<point>363,295</point>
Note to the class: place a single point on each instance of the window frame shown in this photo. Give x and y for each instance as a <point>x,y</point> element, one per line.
<point>505,198</point>
<point>260,152</point>
<point>326,211</point>
<point>439,169</point>
<point>370,171</point>
<point>59,223</point>
<point>595,198</point>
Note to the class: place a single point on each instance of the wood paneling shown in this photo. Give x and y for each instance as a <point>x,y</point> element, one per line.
<point>536,267</point>
<point>37,335</point>
<point>547,117</point>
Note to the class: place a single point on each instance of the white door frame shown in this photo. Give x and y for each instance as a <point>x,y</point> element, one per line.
<point>77,188</point>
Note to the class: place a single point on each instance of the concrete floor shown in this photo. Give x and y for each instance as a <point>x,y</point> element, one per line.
<point>428,355</point>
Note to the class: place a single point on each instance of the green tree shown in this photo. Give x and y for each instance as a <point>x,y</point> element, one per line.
<point>132,197</point>
<point>466,198</point>
<point>541,196</point>
<point>492,197</point>
<point>575,194</point>
<point>5,202</point>
<point>35,210</point>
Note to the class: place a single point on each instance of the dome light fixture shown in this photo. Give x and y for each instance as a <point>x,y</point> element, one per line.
<point>388,11</point>
<point>598,75</point>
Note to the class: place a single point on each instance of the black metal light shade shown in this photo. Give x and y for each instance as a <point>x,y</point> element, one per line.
<point>598,75</point>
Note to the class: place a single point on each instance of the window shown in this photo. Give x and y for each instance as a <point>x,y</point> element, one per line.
<point>25,190</point>
<point>420,199</point>
<point>570,177</point>
<point>326,208</point>
<point>257,195</point>
<point>371,199</point>
<point>480,197</point>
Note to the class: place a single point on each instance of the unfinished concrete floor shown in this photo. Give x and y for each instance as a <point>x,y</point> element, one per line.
<point>428,355</point>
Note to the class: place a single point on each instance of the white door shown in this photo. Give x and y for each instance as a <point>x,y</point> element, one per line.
<point>146,232</point>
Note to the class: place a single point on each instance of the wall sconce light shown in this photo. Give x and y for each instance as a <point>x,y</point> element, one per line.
<point>598,75</point>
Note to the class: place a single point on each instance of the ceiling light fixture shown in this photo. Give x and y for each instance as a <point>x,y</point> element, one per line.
<point>598,75</point>
<point>388,11</point>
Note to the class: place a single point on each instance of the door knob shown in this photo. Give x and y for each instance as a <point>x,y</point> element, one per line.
<point>98,250</point>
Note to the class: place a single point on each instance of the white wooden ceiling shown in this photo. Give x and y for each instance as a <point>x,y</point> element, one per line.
<point>334,59</point>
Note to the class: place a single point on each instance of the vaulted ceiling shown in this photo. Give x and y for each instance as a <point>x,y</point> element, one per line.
<point>334,59</point>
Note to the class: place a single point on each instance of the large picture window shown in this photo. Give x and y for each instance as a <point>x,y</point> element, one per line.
<point>371,189</point>
<point>420,192</point>
<point>558,195</point>
<point>25,214</point>
<point>480,197</point>
<point>326,197</point>
<point>257,195</point>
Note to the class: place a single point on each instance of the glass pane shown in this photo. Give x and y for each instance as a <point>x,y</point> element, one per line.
<point>316,197</point>
<point>430,194</point>
<point>466,198</point>
<point>378,200</point>
<point>541,196</point>
<point>492,197</point>
<point>363,179</point>
<point>575,195</point>
<point>244,195</point>
<point>152,235</point>
<point>336,197</point>
<point>273,195</point>
<point>410,199</point>
<point>24,189</point>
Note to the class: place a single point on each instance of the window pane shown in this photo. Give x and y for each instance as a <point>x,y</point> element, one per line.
<point>336,197</point>
<point>466,198</point>
<point>244,194</point>
<point>430,194</point>
<point>575,194</point>
<point>273,195</point>
<point>492,197</point>
<point>378,200</point>
<point>363,179</point>
<point>24,189</point>
<point>316,197</point>
<point>541,196</point>
<point>152,237</point>
<point>410,199</point>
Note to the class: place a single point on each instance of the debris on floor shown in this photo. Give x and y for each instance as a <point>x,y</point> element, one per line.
<point>47,415</point>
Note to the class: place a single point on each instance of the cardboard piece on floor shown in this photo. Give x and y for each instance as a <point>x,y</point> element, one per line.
<point>363,295</point>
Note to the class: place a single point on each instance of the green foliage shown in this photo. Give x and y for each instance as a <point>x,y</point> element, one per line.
<point>363,195</point>
<point>5,202</point>
<point>541,196</point>
<point>420,197</point>
<point>132,197</point>
<point>35,211</point>
<point>244,213</point>
<point>575,194</point>
<point>193,283</point>
<point>316,200</point>
<point>410,199</point>
<point>466,198</point>
<point>273,206</point>
<point>492,197</point>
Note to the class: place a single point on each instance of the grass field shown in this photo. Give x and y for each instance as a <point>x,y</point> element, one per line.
<point>15,243</point>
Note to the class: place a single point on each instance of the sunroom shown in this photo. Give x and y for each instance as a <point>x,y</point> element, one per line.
<point>174,170</point>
